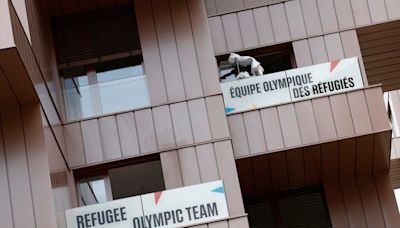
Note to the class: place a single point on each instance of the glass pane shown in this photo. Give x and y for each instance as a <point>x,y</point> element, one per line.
<point>120,73</point>
<point>93,192</point>
<point>107,97</point>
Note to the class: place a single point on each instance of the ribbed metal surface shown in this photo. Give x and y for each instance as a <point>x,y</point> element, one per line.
<point>380,49</point>
<point>96,33</point>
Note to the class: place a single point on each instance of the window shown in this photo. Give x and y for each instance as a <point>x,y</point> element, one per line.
<point>100,63</point>
<point>397,195</point>
<point>118,180</point>
<point>273,59</point>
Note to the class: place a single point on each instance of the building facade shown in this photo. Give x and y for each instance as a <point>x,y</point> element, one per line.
<point>107,99</point>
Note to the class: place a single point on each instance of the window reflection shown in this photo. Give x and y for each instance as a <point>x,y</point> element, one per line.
<point>105,88</point>
<point>93,192</point>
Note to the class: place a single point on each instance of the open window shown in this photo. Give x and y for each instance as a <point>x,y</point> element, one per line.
<point>118,180</point>
<point>272,59</point>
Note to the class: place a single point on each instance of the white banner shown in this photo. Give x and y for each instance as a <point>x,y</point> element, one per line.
<point>179,207</point>
<point>292,85</point>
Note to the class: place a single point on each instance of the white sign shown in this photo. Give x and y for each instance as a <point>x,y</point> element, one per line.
<point>292,85</point>
<point>180,207</point>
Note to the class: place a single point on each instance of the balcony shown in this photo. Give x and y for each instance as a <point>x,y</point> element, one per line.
<point>355,117</point>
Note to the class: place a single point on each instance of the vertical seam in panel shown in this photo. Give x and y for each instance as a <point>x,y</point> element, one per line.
<point>297,121</point>
<point>386,10</point>
<point>82,143</point>
<point>216,162</point>
<point>177,47</point>
<point>118,135</point>
<point>255,26</point>
<point>379,199</point>
<point>172,123</point>
<point>180,166</point>
<point>370,15</point>
<point>263,130</point>
<point>351,117</point>
<point>7,174</point>
<point>245,131</point>
<point>190,120</point>
<point>352,13</point>
<point>334,10</point>
<point>101,140</point>
<point>304,21</point>
<point>333,116</point>
<point>208,117</point>
<point>137,134</point>
<point>287,19</point>
<point>358,190</point>
<point>197,162</point>
<point>21,116</point>
<point>280,127</point>
<point>345,205</point>
<point>270,23</point>
<point>195,48</point>
<point>315,119</point>
<point>240,29</point>
<point>158,48</point>
<point>154,129</point>
<point>369,111</point>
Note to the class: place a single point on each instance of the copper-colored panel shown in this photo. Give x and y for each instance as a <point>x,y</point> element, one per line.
<point>334,46</point>
<point>189,166</point>
<point>328,20</point>
<point>312,165</point>
<point>181,123</point>
<point>377,10</point>
<point>186,49</point>
<point>218,37</point>
<point>204,49</point>
<point>334,199</point>
<point>241,222</point>
<point>146,132</point>
<point>217,117</point>
<point>245,172</point>
<point>248,28</point>
<point>307,122</point>
<point>387,199</point>
<point>207,163</point>
<point>342,116</point>
<point>279,23</point>
<point>171,169</point>
<point>377,110</point>
<point>359,112</point>
<point>228,173</point>
<point>6,218</point>
<point>74,144</point>
<point>110,138</point>
<point>295,165</point>
<point>261,172</point>
<point>163,127</point>
<point>92,141</point>
<point>289,125</point>
<point>168,50</point>
<point>352,202</point>
<point>344,14</point>
<point>128,134</point>
<point>272,128</point>
<point>382,151</point>
<point>370,201</point>
<point>330,163</point>
<point>302,53</point>
<point>295,19</point>
<point>318,50</point>
<point>264,26</point>
<point>199,120</point>
<point>150,52</point>
<point>347,157</point>
<point>232,32</point>
<point>279,171</point>
<point>238,133</point>
<point>311,16</point>
<point>361,12</point>
<point>254,132</point>
<point>364,154</point>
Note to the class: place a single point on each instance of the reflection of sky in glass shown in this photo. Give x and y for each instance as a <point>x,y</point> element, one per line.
<point>119,73</point>
<point>397,194</point>
<point>117,90</point>
<point>99,190</point>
